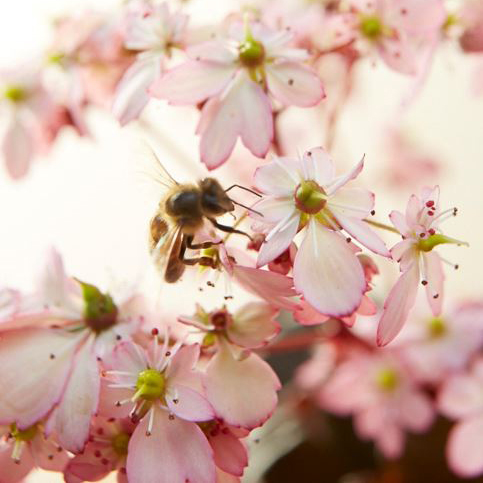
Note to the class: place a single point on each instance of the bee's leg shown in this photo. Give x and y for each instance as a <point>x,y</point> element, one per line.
<point>204,261</point>
<point>198,246</point>
<point>228,229</point>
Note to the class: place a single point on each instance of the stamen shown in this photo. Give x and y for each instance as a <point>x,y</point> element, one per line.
<point>150,423</point>
<point>449,213</point>
<point>452,265</point>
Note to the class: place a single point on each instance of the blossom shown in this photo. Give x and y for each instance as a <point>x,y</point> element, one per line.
<point>240,385</point>
<point>50,358</point>
<point>152,31</point>
<point>421,234</point>
<point>236,77</point>
<point>162,390</point>
<point>383,398</point>
<point>471,18</point>
<point>23,450</point>
<point>461,398</point>
<point>306,195</point>
<point>106,451</point>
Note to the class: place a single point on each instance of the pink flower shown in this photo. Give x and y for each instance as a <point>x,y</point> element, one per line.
<point>162,390</point>
<point>23,450</point>
<point>462,398</point>
<point>239,384</point>
<point>153,32</point>
<point>400,31</point>
<point>383,398</point>
<point>236,76</point>
<point>106,451</point>
<point>439,346</point>
<point>50,358</point>
<point>306,195</point>
<point>471,18</point>
<point>420,232</point>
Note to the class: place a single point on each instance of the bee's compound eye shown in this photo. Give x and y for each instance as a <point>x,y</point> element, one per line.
<point>158,228</point>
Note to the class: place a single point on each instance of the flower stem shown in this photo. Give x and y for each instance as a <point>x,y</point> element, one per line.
<point>382,226</point>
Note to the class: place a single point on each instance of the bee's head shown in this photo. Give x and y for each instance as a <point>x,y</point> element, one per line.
<point>214,200</point>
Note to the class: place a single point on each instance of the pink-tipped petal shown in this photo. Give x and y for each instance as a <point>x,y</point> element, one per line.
<point>412,211</point>
<point>176,451</point>
<point>243,392</point>
<point>79,401</point>
<point>253,325</point>
<point>319,166</point>
<point>327,272</point>
<point>273,209</point>
<point>192,82</point>
<point>35,366</point>
<point>293,84</point>
<point>397,306</point>
<point>399,222</point>
<point>230,453</point>
<point>464,447</point>
<point>433,267</point>
<point>86,466</point>
<point>307,315</point>
<point>354,202</point>
<point>17,149</point>
<point>188,404</point>
<point>344,179</point>
<point>278,178</point>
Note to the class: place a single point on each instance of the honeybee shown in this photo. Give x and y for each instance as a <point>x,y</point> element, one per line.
<point>180,214</point>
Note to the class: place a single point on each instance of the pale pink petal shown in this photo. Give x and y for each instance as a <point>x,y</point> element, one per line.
<point>86,466</point>
<point>367,307</point>
<point>416,17</point>
<point>278,178</point>
<point>181,369</point>
<point>35,366</point>
<point>192,82</point>
<point>270,286</point>
<point>223,477</point>
<point>361,231</point>
<point>278,241</point>
<point>46,453</point>
<point>243,111</point>
<point>176,451</point>
<point>344,179</point>
<point>10,471</point>
<point>230,453</point>
<point>327,272</point>
<point>465,447</point>
<point>307,315</point>
<point>390,441</point>
<point>188,404</point>
<point>319,166</point>
<point>412,211</point>
<point>399,55</point>
<point>79,401</point>
<point>399,221</point>
<point>433,267</point>
<point>18,149</point>
<point>253,325</point>
<point>129,358</point>
<point>397,305</point>
<point>273,209</point>
<point>416,411</point>
<point>216,51</point>
<point>355,202</point>
<point>294,84</point>
<point>131,94</point>
<point>461,396</point>
<point>243,392</point>
<point>400,249</point>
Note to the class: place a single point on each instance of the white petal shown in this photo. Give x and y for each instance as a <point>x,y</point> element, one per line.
<point>327,272</point>
<point>319,166</point>
<point>278,178</point>
<point>344,179</point>
<point>355,202</point>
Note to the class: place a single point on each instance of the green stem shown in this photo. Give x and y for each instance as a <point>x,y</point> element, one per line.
<point>382,226</point>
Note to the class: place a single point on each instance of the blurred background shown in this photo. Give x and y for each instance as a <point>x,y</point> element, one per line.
<point>86,198</point>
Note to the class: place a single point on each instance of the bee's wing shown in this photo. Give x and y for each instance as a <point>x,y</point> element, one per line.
<point>165,248</point>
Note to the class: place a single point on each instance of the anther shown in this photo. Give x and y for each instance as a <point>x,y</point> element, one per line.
<point>431,231</point>
<point>171,417</point>
<point>429,203</point>
<point>154,331</point>
<point>210,284</point>
<point>168,353</point>
<point>52,356</point>
<point>436,295</point>
<point>104,461</point>
<point>348,239</point>
<point>97,453</point>
<point>176,401</point>
<point>118,337</point>
<point>373,212</point>
<point>50,457</point>
<point>424,282</point>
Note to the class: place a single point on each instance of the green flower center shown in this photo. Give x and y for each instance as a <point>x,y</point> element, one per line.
<point>310,198</point>
<point>371,27</point>
<point>150,385</point>
<point>387,380</point>
<point>23,435</point>
<point>100,312</point>
<point>15,93</point>
<point>251,52</point>
<point>437,327</point>
<point>427,244</point>
<point>120,443</point>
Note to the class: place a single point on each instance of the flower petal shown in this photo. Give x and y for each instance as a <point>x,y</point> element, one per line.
<point>192,82</point>
<point>243,392</point>
<point>253,325</point>
<point>397,305</point>
<point>13,472</point>
<point>461,397</point>
<point>273,209</point>
<point>17,149</point>
<point>464,447</point>
<point>31,380</point>
<point>344,179</point>
<point>278,178</point>
<point>188,404</point>
<point>327,272</point>
<point>294,84</point>
<point>176,451</point>
<point>399,222</point>
<point>319,166</point>
<point>86,466</point>
<point>230,453</point>
<point>354,202</point>
<point>433,267</point>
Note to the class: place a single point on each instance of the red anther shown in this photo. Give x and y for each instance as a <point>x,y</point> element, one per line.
<point>424,282</point>
<point>431,231</point>
<point>430,213</point>
<point>436,295</point>
<point>422,235</point>
<point>429,203</point>
<point>154,331</point>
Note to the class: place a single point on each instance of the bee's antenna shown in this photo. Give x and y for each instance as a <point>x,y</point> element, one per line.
<point>243,188</point>
<point>246,207</point>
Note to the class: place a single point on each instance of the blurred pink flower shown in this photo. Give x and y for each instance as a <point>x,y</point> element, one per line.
<point>471,18</point>
<point>417,259</point>
<point>50,357</point>
<point>306,193</point>
<point>461,398</point>
<point>152,31</point>
<point>235,76</point>
<point>382,397</point>
<point>24,450</point>
<point>162,390</point>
